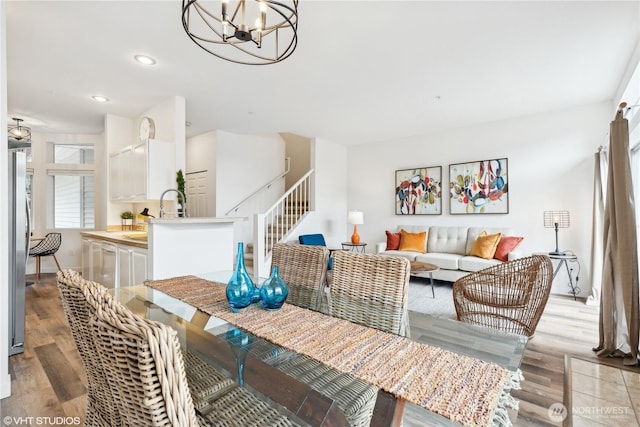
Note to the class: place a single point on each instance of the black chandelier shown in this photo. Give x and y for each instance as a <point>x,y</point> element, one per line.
<point>254,32</point>
<point>19,132</point>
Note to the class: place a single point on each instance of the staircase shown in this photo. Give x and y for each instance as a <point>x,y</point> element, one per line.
<point>278,222</point>
<point>282,226</point>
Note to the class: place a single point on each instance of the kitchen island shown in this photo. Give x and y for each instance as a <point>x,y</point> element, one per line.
<point>179,246</point>
<point>171,247</point>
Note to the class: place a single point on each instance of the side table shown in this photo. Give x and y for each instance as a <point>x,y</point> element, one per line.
<point>418,269</point>
<point>565,259</point>
<point>354,247</point>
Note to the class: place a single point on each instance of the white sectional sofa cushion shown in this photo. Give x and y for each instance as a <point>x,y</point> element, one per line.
<point>449,248</point>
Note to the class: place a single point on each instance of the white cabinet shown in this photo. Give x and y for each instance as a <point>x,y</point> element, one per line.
<point>132,265</point>
<point>87,259</point>
<point>113,264</point>
<point>124,264</point>
<point>139,263</point>
<point>142,171</point>
<point>119,175</point>
<point>108,273</point>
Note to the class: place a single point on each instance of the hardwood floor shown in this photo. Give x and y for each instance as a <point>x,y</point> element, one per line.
<point>48,379</point>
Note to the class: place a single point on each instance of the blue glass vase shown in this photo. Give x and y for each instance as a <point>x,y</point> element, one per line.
<point>240,342</point>
<point>273,291</point>
<point>241,291</point>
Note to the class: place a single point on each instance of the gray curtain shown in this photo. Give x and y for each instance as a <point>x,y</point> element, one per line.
<point>619,314</point>
<point>599,195</point>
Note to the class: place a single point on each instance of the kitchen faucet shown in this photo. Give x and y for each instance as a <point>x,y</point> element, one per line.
<point>184,200</point>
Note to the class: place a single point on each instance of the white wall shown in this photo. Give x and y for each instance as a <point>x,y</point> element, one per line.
<point>298,148</point>
<point>330,216</point>
<point>170,122</point>
<point>550,160</point>
<point>244,164</point>
<point>5,379</point>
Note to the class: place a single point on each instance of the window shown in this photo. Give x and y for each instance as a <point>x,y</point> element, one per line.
<point>72,154</point>
<point>73,200</point>
<point>70,186</point>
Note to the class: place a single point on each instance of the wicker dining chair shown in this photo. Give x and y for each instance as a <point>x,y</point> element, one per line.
<point>304,270</point>
<point>79,299</point>
<point>48,246</point>
<point>509,297</point>
<point>146,371</point>
<point>211,390</point>
<point>372,290</point>
<point>355,398</point>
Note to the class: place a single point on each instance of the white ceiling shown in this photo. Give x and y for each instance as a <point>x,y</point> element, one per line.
<point>363,71</point>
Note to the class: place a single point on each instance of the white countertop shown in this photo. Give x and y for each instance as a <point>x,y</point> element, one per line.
<point>196,220</point>
<point>118,237</point>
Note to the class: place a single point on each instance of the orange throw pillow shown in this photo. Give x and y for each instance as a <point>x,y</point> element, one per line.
<point>414,242</point>
<point>506,245</point>
<point>393,241</point>
<point>485,245</point>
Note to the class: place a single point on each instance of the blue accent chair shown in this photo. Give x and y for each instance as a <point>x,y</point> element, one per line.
<point>315,240</point>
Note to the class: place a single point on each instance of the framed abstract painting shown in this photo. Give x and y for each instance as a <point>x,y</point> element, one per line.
<point>419,191</point>
<point>479,187</point>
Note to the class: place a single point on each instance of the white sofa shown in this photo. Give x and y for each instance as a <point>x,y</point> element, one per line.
<point>449,248</point>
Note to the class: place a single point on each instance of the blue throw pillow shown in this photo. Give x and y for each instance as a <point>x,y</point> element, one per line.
<point>312,239</point>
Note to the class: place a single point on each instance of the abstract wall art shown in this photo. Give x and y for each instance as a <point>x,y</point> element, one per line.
<point>479,187</point>
<point>419,191</point>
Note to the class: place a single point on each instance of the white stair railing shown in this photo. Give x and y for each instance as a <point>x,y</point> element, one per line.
<point>277,222</point>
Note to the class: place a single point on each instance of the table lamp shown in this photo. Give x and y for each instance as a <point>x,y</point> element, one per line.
<point>556,219</point>
<point>355,218</point>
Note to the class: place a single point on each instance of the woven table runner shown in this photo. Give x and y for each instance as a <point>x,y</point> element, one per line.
<point>461,388</point>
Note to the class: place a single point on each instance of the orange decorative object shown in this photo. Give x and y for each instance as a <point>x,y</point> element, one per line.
<point>355,218</point>
<point>355,237</point>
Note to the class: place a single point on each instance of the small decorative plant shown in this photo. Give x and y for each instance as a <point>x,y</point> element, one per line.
<point>180,182</point>
<point>127,219</point>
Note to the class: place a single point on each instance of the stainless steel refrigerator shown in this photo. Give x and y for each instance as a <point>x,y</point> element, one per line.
<point>19,232</point>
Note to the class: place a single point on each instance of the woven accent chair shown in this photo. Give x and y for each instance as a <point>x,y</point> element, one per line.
<point>509,297</point>
<point>356,398</point>
<point>144,367</point>
<point>46,247</point>
<point>304,270</point>
<point>79,299</point>
<point>85,303</point>
<point>206,384</point>
<point>372,290</point>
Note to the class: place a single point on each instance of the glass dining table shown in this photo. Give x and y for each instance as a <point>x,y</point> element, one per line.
<point>241,356</point>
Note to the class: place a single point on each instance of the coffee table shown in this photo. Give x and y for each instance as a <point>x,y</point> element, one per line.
<point>420,269</point>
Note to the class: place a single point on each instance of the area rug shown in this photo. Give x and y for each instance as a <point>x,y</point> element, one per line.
<point>422,301</point>
<point>463,389</point>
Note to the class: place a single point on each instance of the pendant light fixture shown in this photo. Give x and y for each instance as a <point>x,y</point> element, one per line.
<point>251,32</point>
<point>19,132</point>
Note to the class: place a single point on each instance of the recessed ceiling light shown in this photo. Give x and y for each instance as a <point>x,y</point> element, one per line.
<point>100,98</point>
<point>145,60</point>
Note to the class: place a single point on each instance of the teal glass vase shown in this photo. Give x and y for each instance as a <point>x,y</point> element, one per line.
<point>273,291</point>
<point>241,291</point>
<point>240,342</point>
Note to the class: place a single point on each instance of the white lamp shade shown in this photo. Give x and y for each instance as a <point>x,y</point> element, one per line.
<point>356,217</point>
